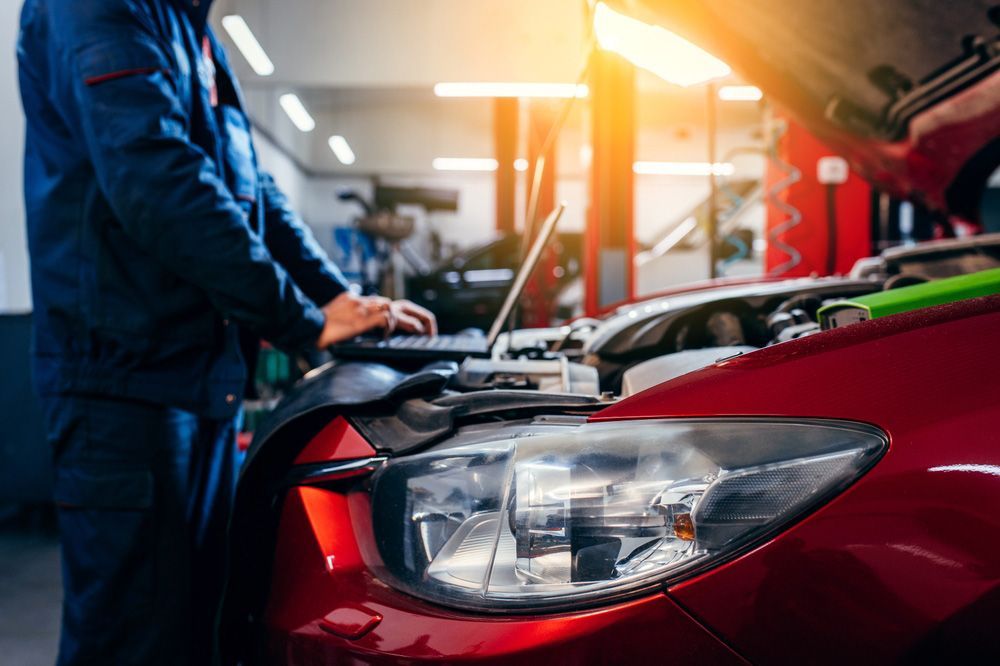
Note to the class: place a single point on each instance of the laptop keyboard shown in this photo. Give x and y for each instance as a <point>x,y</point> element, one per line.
<point>436,343</point>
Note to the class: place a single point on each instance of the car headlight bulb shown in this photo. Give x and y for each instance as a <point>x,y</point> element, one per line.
<point>604,509</point>
<point>574,524</point>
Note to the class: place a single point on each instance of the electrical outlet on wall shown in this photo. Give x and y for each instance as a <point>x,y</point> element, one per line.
<point>832,170</point>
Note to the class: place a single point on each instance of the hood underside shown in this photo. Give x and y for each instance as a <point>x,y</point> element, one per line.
<point>909,91</point>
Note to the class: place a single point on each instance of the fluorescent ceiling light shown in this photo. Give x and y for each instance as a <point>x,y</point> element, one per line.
<point>248,45</point>
<point>293,106</point>
<point>669,56</point>
<point>683,168</point>
<point>520,164</point>
<point>740,93</point>
<point>501,89</point>
<point>464,164</point>
<point>341,149</point>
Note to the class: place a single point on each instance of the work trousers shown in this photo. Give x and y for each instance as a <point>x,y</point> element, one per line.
<point>143,494</point>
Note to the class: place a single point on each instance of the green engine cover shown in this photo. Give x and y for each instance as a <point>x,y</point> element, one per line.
<point>905,299</point>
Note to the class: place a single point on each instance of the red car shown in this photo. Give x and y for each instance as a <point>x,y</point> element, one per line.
<point>832,498</point>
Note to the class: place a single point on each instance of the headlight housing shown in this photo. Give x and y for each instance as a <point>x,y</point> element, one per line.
<point>603,510</point>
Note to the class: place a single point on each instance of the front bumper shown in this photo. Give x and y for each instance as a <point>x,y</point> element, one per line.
<point>326,607</point>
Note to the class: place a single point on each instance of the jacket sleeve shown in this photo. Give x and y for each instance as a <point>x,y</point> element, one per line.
<point>293,245</point>
<point>165,191</point>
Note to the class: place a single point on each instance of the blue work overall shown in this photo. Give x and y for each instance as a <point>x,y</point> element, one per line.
<point>155,243</point>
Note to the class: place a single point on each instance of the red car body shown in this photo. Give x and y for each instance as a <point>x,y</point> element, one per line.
<point>901,566</point>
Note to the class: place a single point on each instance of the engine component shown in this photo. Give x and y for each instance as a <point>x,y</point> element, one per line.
<point>797,331</point>
<point>556,375</point>
<point>658,370</point>
<point>905,299</point>
<point>725,329</point>
<point>779,320</point>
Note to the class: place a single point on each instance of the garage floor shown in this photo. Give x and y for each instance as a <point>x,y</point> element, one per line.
<point>30,592</point>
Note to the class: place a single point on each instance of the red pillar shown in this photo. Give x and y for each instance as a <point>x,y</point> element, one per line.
<point>505,149</point>
<point>609,241</point>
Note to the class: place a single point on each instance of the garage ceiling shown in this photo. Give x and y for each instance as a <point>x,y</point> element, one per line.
<point>365,70</point>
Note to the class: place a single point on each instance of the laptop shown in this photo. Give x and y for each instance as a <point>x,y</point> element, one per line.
<point>454,347</point>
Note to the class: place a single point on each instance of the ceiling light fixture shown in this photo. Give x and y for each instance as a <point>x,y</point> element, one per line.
<point>683,168</point>
<point>248,45</point>
<point>464,164</point>
<point>656,49</point>
<point>740,93</point>
<point>511,89</point>
<point>520,164</point>
<point>341,149</point>
<point>296,111</point>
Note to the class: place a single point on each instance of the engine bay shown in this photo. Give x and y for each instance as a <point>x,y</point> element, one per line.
<point>639,346</point>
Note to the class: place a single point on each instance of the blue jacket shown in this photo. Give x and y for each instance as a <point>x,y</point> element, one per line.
<point>151,230</point>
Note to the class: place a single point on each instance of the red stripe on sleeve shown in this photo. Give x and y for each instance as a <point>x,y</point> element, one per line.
<point>110,76</point>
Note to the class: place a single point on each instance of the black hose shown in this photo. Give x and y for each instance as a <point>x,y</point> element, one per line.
<point>831,229</point>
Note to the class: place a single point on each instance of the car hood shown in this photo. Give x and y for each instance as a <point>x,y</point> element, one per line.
<point>907,90</point>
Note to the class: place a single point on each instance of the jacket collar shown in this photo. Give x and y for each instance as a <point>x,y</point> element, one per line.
<point>197,11</point>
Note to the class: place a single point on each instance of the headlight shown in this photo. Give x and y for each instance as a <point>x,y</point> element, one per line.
<point>604,509</point>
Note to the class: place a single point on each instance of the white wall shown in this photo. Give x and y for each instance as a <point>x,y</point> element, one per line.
<point>15,288</point>
<point>286,173</point>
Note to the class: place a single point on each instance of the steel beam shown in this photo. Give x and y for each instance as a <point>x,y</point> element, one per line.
<point>538,300</point>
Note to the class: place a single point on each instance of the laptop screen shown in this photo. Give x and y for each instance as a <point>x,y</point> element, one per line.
<point>524,272</point>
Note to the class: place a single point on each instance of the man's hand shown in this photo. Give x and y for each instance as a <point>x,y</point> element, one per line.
<point>412,318</point>
<point>405,315</point>
<point>349,315</point>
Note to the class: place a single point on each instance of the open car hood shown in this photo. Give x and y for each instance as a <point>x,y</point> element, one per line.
<point>907,90</point>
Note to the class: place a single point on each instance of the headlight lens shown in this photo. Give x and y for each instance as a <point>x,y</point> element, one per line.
<point>604,509</point>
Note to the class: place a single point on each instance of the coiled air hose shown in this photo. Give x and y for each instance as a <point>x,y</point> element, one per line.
<point>793,215</point>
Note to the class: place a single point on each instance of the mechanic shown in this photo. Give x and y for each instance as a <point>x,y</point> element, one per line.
<point>156,243</point>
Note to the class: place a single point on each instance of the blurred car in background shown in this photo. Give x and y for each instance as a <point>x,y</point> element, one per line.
<point>467,289</point>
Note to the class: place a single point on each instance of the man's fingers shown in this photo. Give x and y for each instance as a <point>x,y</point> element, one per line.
<point>423,315</point>
<point>410,324</point>
<point>391,321</point>
<point>382,319</point>
<point>426,318</point>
